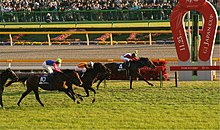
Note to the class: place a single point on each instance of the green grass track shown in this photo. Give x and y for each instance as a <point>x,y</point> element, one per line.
<point>192,105</point>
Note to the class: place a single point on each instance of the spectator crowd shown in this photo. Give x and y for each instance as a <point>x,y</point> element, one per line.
<point>60,6</point>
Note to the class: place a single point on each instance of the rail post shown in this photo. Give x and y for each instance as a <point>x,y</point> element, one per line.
<point>87,39</point>
<point>150,39</point>
<point>48,37</point>
<point>161,78</point>
<point>111,39</point>
<point>11,41</point>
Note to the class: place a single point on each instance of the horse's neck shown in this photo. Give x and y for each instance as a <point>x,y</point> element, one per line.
<point>139,64</point>
<point>64,76</point>
<point>92,75</point>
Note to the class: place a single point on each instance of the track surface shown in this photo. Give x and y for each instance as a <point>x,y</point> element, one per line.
<point>88,52</point>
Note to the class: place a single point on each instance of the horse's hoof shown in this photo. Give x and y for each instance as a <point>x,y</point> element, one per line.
<point>77,102</point>
<point>3,108</point>
<point>81,98</point>
<point>79,95</point>
<point>93,100</point>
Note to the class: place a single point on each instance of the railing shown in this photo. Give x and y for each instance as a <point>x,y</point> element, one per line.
<point>86,33</point>
<point>87,15</point>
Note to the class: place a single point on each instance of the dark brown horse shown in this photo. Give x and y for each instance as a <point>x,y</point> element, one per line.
<point>61,81</point>
<point>131,70</point>
<point>4,76</point>
<point>22,77</point>
<point>90,76</point>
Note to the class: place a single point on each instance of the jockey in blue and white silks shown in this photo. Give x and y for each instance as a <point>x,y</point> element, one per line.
<point>49,65</point>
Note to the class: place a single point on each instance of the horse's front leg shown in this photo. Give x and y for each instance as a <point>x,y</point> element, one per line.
<point>24,95</point>
<point>87,91</point>
<point>97,86</point>
<point>131,80</point>
<point>68,92</point>
<point>74,94</point>
<point>90,88</point>
<point>141,77</point>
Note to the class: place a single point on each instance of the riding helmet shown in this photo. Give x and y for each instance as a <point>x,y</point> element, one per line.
<point>58,60</point>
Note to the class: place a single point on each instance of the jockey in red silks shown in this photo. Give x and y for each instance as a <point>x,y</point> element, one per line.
<point>49,65</point>
<point>127,57</point>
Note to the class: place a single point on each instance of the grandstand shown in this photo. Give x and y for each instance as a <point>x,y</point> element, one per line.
<point>77,15</point>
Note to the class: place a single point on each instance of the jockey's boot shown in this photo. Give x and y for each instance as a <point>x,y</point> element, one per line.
<point>127,64</point>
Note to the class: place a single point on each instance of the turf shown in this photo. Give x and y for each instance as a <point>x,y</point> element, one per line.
<point>191,105</point>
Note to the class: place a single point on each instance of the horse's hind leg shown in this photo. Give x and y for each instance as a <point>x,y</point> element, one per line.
<point>1,92</point>
<point>38,97</point>
<point>24,95</point>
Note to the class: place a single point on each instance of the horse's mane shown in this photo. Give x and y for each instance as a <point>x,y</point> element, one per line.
<point>143,58</point>
<point>68,70</point>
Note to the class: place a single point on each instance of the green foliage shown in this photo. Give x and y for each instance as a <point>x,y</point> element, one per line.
<point>192,105</point>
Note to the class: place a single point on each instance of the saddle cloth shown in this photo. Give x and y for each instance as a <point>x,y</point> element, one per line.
<point>43,80</point>
<point>121,67</point>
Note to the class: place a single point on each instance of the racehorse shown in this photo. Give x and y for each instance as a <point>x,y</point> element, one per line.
<point>22,77</point>
<point>61,81</point>
<point>4,76</point>
<point>131,70</point>
<point>90,76</point>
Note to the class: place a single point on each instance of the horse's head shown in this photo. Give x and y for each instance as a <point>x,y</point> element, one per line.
<point>100,68</point>
<point>147,62</point>
<point>73,76</point>
<point>11,74</point>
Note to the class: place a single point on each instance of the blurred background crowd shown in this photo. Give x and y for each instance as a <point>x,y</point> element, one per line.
<point>79,10</point>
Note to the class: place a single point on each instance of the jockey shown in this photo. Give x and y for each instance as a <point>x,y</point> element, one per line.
<point>49,65</point>
<point>129,57</point>
<point>83,66</point>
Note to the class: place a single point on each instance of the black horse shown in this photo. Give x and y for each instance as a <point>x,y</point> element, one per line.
<point>131,70</point>
<point>4,76</point>
<point>91,75</point>
<point>61,81</point>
